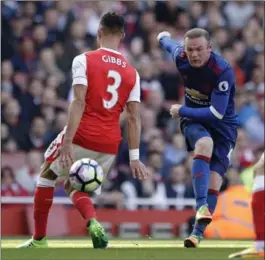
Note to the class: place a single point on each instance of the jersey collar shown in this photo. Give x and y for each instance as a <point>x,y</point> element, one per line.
<point>110,50</point>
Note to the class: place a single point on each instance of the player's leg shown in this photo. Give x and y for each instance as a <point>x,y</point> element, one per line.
<point>213,192</point>
<point>201,177</point>
<point>83,202</point>
<point>43,199</point>
<point>97,232</point>
<point>219,163</point>
<point>257,204</point>
<point>44,193</point>
<point>216,181</point>
<point>199,227</point>
<point>199,140</point>
<point>84,205</point>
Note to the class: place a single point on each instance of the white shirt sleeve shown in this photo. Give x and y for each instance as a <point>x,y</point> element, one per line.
<point>79,70</point>
<point>136,91</point>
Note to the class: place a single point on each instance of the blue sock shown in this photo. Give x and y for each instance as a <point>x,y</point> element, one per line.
<point>212,199</point>
<point>199,229</point>
<point>200,179</point>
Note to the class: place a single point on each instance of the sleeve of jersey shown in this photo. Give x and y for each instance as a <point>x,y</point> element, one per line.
<point>219,100</point>
<point>135,95</point>
<point>171,46</point>
<point>79,70</point>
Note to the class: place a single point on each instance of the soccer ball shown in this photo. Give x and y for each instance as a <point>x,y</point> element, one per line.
<point>86,175</point>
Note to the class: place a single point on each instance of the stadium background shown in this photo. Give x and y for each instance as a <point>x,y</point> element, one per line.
<point>39,41</point>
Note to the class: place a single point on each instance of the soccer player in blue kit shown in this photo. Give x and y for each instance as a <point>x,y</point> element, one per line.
<point>207,119</point>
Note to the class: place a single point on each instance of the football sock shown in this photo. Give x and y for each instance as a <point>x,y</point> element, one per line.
<point>258,211</point>
<point>83,204</point>
<point>42,203</point>
<point>200,179</point>
<point>212,197</point>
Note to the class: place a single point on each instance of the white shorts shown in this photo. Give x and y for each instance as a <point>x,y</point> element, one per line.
<point>51,156</point>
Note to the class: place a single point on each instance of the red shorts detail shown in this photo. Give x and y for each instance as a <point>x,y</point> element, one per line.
<point>53,150</point>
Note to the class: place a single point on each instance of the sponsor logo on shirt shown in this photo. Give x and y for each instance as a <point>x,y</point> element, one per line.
<point>196,94</point>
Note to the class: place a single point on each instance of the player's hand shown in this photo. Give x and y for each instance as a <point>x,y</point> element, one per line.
<point>174,111</point>
<point>139,170</point>
<point>163,34</point>
<point>66,155</point>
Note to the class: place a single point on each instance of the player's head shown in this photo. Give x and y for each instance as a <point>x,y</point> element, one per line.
<point>111,28</point>
<point>197,46</point>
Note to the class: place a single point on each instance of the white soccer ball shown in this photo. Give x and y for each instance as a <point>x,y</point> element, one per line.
<point>86,175</point>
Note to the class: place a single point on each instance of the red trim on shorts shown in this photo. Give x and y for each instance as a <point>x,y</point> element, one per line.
<point>52,158</point>
<point>202,157</point>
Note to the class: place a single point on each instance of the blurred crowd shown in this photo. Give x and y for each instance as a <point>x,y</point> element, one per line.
<point>39,41</point>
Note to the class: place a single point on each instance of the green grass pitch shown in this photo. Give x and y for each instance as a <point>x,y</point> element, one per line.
<point>144,249</point>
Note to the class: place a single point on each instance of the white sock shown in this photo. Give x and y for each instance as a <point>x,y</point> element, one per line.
<point>42,182</point>
<point>258,183</point>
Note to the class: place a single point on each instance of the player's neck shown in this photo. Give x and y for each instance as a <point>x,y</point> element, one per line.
<point>109,46</point>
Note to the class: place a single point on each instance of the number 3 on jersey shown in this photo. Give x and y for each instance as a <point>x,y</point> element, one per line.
<point>112,89</point>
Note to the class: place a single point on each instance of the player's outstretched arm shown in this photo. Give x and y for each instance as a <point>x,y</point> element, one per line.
<point>133,129</point>
<point>164,38</point>
<point>219,100</point>
<point>133,135</point>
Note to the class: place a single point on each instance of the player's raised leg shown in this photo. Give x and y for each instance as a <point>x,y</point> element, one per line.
<point>258,211</point>
<point>199,140</point>
<point>43,199</point>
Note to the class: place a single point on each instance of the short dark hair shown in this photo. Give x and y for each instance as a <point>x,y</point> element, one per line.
<point>112,22</point>
<point>197,33</point>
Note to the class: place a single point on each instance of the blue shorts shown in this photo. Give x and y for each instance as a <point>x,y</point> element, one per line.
<point>220,161</point>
